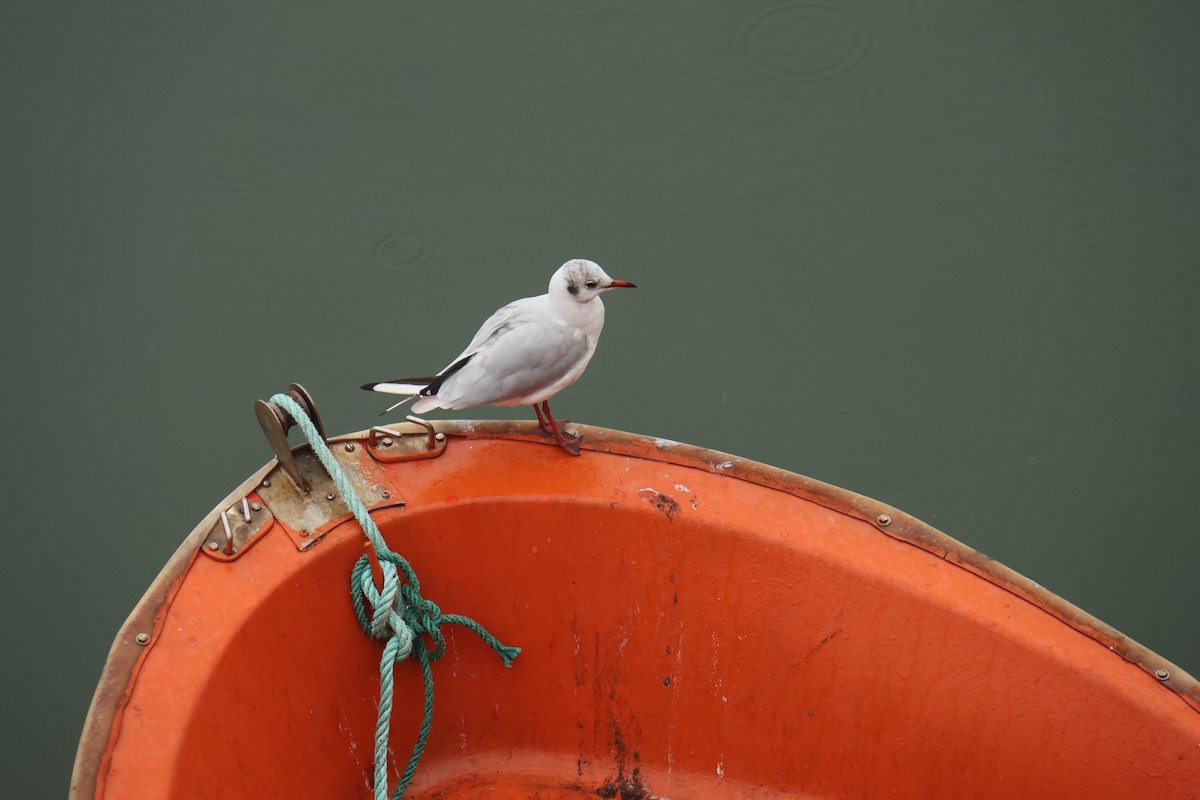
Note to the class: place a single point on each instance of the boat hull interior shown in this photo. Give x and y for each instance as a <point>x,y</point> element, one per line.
<point>690,625</point>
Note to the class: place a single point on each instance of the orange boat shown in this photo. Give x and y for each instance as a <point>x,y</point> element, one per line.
<point>691,624</point>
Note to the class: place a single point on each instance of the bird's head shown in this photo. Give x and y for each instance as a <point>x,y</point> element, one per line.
<point>583,280</point>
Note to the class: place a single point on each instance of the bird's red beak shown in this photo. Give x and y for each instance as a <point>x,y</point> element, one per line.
<point>621,285</point>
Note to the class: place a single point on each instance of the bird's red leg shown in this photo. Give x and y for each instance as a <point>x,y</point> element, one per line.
<point>537,408</point>
<point>569,443</point>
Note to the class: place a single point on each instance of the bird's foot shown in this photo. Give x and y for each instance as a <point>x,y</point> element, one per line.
<point>557,428</point>
<point>569,441</point>
<point>566,439</point>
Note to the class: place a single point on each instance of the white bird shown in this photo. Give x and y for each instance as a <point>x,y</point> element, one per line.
<point>525,353</point>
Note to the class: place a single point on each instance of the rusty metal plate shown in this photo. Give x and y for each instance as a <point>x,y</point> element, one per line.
<point>308,516</point>
<point>236,529</point>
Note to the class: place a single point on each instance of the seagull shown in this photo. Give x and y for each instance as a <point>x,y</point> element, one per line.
<point>524,354</point>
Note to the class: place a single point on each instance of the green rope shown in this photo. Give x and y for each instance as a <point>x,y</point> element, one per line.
<point>398,613</point>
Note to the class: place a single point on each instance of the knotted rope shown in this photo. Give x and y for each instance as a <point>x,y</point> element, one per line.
<point>396,613</point>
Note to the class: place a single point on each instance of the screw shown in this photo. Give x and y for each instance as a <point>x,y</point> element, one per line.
<point>441,437</point>
<point>387,441</point>
<point>883,520</point>
<point>386,494</point>
<point>349,447</point>
<point>213,546</point>
<point>1161,674</point>
<point>256,506</point>
<point>143,639</point>
<point>329,495</point>
<point>266,481</point>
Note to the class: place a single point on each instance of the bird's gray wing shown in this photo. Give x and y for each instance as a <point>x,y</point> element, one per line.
<point>496,327</point>
<point>493,327</point>
<point>519,357</point>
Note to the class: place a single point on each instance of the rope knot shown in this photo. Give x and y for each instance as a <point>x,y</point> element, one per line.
<point>387,606</point>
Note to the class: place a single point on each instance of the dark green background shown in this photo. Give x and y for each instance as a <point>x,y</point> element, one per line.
<point>942,253</point>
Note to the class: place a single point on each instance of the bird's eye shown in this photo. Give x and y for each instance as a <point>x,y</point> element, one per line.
<point>591,284</point>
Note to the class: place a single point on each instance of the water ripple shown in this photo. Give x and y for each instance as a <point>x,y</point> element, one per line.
<point>836,426</point>
<point>804,41</point>
<point>960,102</point>
<point>580,8</point>
<point>1185,402</point>
<point>244,147</point>
<point>402,251</point>
<point>975,12</point>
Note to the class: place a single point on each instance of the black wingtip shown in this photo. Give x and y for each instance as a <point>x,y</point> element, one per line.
<point>370,387</point>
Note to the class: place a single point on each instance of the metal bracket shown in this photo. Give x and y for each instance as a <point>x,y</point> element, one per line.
<point>388,445</point>
<point>275,423</point>
<point>309,516</point>
<point>311,506</point>
<point>237,529</point>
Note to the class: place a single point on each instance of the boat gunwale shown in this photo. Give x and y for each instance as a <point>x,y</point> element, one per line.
<point>102,724</point>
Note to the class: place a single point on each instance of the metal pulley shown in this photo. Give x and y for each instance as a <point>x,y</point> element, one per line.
<point>276,422</point>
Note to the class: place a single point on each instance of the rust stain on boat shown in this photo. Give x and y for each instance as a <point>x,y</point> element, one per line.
<point>663,502</point>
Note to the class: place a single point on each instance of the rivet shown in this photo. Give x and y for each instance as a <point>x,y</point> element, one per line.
<point>213,546</point>
<point>386,494</point>
<point>329,495</point>
<point>256,506</point>
<point>883,520</point>
<point>266,482</point>
<point>143,639</point>
<point>441,437</point>
<point>1161,674</point>
<point>387,441</point>
<point>349,447</point>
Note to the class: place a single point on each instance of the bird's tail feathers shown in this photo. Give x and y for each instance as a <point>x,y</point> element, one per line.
<point>401,385</point>
<point>406,386</point>
<point>424,387</point>
<point>394,406</point>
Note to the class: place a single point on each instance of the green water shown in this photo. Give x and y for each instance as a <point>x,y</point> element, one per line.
<point>942,253</point>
